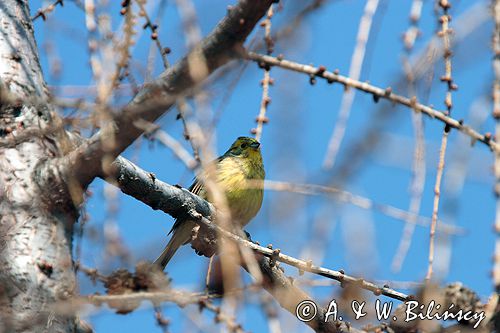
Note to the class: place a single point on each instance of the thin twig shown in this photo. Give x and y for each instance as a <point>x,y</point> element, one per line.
<point>267,80</point>
<point>294,25</point>
<point>405,285</point>
<point>447,78</point>
<point>42,12</point>
<point>153,130</point>
<point>153,27</point>
<point>416,191</point>
<point>178,297</point>
<point>418,165</point>
<point>192,31</point>
<point>113,240</point>
<point>182,106</point>
<point>378,93</point>
<point>358,201</point>
<point>163,51</point>
<point>89,90</point>
<point>305,266</point>
<point>117,55</point>
<point>437,193</point>
<point>357,60</point>
<point>412,33</point>
<point>178,150</point>
<point>270,310</point>
<point>91,25</point>
<point>221,316</point>
<point>161,321</point>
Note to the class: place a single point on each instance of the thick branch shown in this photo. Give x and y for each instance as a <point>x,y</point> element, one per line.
<point>218,48</point>
<point>181,203</point>
<point>173,200</point>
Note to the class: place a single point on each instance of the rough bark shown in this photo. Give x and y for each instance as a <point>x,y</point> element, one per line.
<point>41,182</point>
<point>35,223</point>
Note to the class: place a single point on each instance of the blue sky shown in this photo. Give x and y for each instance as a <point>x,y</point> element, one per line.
<point>363,242</point>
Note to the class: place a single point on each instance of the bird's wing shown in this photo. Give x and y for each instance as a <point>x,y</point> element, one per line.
<point>196,188</point>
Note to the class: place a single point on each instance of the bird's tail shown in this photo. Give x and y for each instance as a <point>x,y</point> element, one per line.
<point>181,235</point>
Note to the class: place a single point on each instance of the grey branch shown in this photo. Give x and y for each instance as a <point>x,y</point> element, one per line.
<point>157,97</point>
<point>377,93</point>
<point>182,204</point>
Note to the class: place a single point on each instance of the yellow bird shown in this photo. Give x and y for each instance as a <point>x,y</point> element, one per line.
<point>239,165</point>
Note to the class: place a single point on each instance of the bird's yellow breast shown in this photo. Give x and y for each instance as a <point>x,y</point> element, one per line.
<point>240,179</point>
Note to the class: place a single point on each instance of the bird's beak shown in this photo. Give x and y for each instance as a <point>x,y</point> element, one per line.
<point>255,145</point>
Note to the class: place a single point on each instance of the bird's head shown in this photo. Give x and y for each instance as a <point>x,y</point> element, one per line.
<point>245,147</point>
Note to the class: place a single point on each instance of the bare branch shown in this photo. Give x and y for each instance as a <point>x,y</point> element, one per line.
<point>357,60</point>
<point>42,12</point>
<point>289,296</point>
<point>154,132</point>
<point>437,196</point>
<point>446,78</point>
<point>218,48</point>
<point>267,80</point>
<point>418,165</point>
<point>153,26</point>
<point>182,204</point>
<point>378,93</point>
<point>361,202</point>
<point>412,33</point>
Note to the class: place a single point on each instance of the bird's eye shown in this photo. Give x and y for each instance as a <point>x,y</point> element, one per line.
<point>244,145</point>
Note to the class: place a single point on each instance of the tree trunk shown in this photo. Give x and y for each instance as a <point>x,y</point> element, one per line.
<point>35,223</point>
<point>41,182</point>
